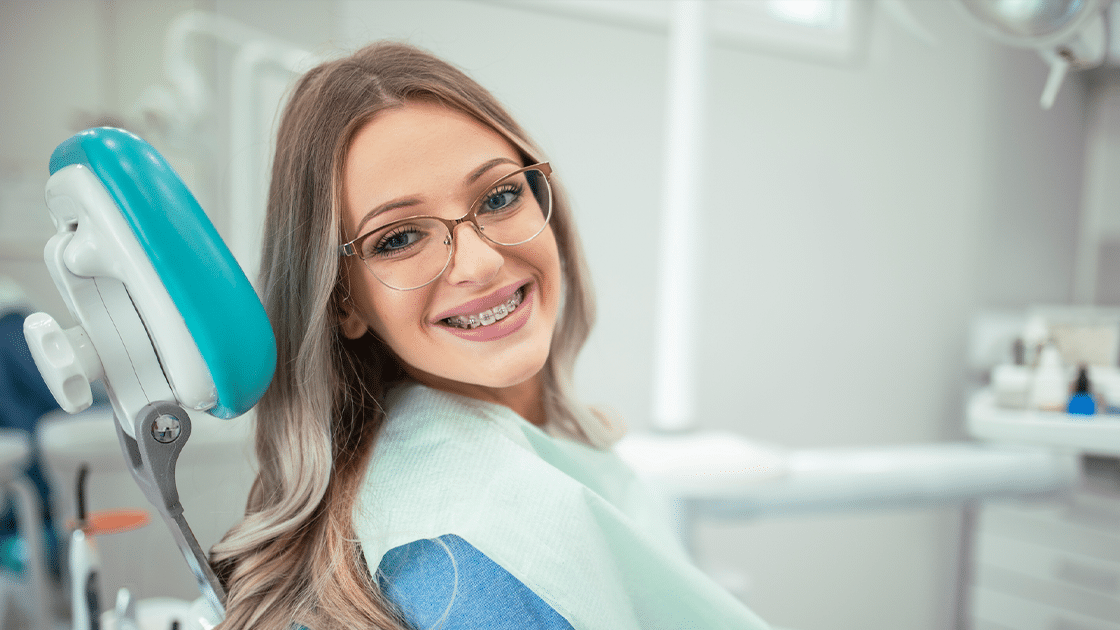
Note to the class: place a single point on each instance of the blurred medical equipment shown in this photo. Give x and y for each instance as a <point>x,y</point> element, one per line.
<point>85,565</point>
<point>1068,34</point>
<point>1072,35</point>
<point>27,548</point>
<point>184,112</point>
<point>214,474</point>
<point>15,455</point>
<point>85,559</point>
<point>151,287</point>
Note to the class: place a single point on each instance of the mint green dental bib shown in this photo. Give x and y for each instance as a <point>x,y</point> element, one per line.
<point>570,522</point>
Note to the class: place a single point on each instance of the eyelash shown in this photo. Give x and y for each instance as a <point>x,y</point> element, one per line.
<point>378,247</point>
<point>516,189</point>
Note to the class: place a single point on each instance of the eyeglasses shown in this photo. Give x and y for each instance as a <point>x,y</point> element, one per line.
<point>413,252</point>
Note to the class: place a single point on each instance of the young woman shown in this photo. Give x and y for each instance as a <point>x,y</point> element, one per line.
<point>423,461</point>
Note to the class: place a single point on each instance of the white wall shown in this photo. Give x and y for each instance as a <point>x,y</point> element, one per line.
<point>855,217</point>
<point>1098,276</point>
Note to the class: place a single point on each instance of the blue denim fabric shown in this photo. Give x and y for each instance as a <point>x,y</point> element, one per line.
<point>446,583</point>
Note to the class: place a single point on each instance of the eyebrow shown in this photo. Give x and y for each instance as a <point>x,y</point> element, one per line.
<point>486,166</point>
<point>385,207</point>
<point>471,178</point>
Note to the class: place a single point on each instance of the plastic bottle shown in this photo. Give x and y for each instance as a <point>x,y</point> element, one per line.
<point>1082,402</point>
<point>1050,388</point>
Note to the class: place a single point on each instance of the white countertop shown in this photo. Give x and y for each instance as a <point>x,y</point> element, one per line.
<point>1097,434</point>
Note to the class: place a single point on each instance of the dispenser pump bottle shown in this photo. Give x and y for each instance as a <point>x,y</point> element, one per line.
<point>1082,402</point>
<point>1050,387</point>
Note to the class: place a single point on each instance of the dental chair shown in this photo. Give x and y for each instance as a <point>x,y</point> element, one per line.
<point>164,315</point>
<point>15,455</point>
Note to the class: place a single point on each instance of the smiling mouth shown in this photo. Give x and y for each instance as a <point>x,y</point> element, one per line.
<point>487,317</point>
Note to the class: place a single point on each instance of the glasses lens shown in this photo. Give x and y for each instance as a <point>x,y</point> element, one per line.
<point>407,254</point>
<point>411,253</point>
<point>516,208</point>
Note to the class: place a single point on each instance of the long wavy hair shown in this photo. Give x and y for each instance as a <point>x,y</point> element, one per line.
<point>295,558</point>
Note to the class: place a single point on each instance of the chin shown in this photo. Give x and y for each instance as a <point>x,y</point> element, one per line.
<point>516,377</point>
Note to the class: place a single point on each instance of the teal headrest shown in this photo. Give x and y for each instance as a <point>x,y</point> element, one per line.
<point>217,302</point>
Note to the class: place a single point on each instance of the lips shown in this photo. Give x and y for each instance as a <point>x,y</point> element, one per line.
<point>472,314</point>
<point>513,321</point>
<point>488,317</point>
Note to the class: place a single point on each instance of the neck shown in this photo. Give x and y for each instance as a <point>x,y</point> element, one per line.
<point>526,399</point>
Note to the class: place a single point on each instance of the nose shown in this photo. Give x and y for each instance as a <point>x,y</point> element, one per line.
<point>475,260</point>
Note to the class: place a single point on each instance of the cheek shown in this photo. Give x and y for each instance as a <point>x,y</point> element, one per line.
<point>386,312</point>
<point>550,262</point>
<point>392,319</point>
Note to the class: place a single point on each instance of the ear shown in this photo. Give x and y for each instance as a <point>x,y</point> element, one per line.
<point>352,324</point>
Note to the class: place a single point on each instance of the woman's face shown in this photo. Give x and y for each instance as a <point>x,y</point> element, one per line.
<point>426,159</point>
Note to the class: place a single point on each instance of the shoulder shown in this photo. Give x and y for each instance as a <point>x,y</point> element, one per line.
<point>445,582</point>
<point>425,477</point>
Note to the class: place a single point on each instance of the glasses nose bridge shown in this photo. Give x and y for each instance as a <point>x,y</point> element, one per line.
<point>453,225</point>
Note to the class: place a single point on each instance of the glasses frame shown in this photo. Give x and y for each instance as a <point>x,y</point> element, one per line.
<point>353,248</point>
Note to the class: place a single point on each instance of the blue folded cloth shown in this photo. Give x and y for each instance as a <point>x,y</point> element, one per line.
<point>446,583</point>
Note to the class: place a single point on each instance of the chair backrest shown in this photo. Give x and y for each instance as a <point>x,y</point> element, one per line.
<point>208,289</point>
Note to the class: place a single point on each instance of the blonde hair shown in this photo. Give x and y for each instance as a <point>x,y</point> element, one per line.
<point>295,559</point>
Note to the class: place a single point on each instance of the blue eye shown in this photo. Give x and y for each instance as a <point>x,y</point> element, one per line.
<point>395,242</point>
<point>502,198</point>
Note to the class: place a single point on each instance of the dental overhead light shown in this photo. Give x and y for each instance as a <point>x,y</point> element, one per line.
<point>1069,34</point>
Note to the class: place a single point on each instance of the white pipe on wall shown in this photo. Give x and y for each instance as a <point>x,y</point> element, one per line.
<point>190,85</point>
<point>190,101</point>
<point>249,146</point>
<point>673,379</point>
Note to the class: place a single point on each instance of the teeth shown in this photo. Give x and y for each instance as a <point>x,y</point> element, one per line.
<point>489,316</point>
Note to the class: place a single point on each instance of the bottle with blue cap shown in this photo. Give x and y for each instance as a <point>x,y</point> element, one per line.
<point>1082,403</point>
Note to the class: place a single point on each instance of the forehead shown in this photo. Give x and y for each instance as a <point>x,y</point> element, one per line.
<point>413,150</point>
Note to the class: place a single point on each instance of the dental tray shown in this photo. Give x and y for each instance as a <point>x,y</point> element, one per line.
<point>1097,434</point>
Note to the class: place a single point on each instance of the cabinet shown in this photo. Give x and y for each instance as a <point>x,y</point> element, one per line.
<point>1050,565</point>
